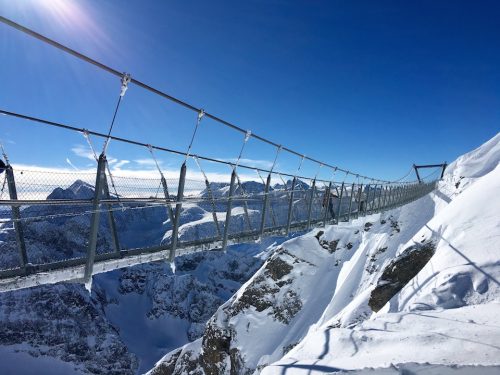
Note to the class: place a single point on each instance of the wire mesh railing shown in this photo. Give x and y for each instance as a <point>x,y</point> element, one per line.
<point>46,219</point>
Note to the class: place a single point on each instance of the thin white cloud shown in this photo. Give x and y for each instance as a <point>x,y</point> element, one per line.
<point>83,152</point>
<point>71,164</point>
<point>147,162</point>
<point>120,164</point>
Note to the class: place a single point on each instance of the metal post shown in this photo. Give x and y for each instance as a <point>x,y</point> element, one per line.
<point>416,172</point>
<point>264,206</point>
<point>390,199</point>
<point>377,207</point>
<point>228,212</point>
<point>178,209</point>
<point>396,196</point>
<point>444,168</point>
<point>350,202</point>
<point>360,194</point>
<point>403,196</point>
<point>167,199</point>
<point>309,209</point>
<point>368,189</point>
<point>374,202</point>
<point>290,206</point>
<point>339,206</point>
<point>400,196</point>
<point>111,219</point>
<point>384,199</point>
<point>327,203</point>
<point>16,216</point>
<point>214,211</point>
<point>94,220</point>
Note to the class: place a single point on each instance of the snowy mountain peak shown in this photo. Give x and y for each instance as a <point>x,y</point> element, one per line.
<point>78,190</point>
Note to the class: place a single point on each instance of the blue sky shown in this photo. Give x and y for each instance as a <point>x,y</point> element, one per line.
<point>372,86</point>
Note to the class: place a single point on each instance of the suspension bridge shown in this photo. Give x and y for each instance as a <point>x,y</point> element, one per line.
<point>66,227</point>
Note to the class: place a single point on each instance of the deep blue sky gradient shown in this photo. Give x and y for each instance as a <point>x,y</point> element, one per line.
<point>372,86</point>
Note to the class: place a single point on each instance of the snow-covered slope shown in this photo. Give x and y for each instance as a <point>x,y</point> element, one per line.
<point>447,313</point>
<point>414,285</point>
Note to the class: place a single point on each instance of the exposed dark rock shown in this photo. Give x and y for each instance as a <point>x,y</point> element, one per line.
<point>368,226</point>
<point>349,246</point>
<point>258,294</point>
<point>289,347</point>
<point>319,234</point>
<point>331,246</point>
<point>394,225</point>
<point>399,272</point>
<point>277,268</point>
<point>168,367</point>
<point>290,306</point>
<point>216,349</point>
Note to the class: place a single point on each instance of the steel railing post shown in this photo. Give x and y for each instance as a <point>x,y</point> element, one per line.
<point>309,208</point>
<point>228,212</point>
<point>379,202</point>
<point>384,198</point>
<point>392,198</point>
<point>111,218</point>
<point>166,194</point>
<point>350,202</point>
<point>368,191</point>
<point>360,194</point>
<point>339,206</point>
<point>94,220</point>
<point>264,206</point>
<point>16,216</point>
<point>178,210</point>
<point>327,203</point>
<point>290,206</point>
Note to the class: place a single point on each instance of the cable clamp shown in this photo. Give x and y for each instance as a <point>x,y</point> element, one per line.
<point>248,135</point>
<point>201,113</point>
<point>125,81</point>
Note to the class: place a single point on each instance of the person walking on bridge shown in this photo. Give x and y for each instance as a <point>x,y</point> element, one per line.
<point>330,198</point>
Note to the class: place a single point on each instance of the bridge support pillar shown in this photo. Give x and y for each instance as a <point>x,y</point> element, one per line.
<point>178,209</point>
<point>100,181</point>
<point>167,199</point>
<point>339,206</point>
<point>290,206</point>
<point>367,202</point>
<point>264,206</point>
<point>111,219</point>
<point>229,208</point>
<point>311,200</point>
<point>360,192</point>
<point>350,202</point>
<point>326,202</point>
<point>16,216</point>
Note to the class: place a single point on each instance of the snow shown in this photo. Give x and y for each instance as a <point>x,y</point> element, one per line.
<point>442,337</point>
<point>446,316</point>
